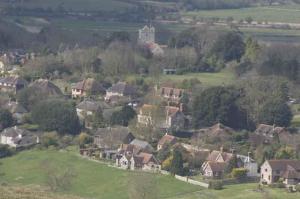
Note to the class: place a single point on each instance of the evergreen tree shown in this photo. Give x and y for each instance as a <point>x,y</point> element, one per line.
<point>177,163</point>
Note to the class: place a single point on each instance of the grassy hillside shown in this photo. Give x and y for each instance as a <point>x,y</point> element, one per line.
<point>288,14</point>
<point>93,180</point>
<point>30,192</point>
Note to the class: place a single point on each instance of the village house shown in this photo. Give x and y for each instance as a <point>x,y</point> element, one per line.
<point>120,89</point>
<point>216,157</point>
<point>87,87</point>
<point>274,170</point>
<point>145,146</point>
<point>86,108</point>
<point>85,111</point>
<point>17,110</point>
<point>166,140</point>
<point>264,134</point>
<point>174,117</point>
<point>112,137</point>
<point>142,161</point>
<point>146,114</point>
<point>12,84</point>
<point>46,87</point>
<point>18,138</point>
<point>171,94</point>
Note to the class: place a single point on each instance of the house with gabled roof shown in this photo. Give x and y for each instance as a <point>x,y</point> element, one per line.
<point>112,137</point>
<point>274,170</point>
<point>174,117</point>
<point>216,157</point>
<point>120,89</point>
<point>171,93</point>
<point>87,87</point>
<point>146,114</point>
<point>18,138</point>
<point>12,84</point>
<point>166,139</point>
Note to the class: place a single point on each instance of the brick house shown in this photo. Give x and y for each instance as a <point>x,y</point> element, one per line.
<point>87,87</point>
<point>120,89</point>
<point>166,139</point>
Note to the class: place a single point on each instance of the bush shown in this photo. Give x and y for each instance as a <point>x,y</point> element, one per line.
<point>239,173</point>
<point>5,151</point>
<point>216,184</point>
<point>277,185</point>
<point>49,139</point>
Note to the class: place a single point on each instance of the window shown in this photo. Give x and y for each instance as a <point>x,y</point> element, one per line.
<point>266,170</point>
<point>269,177</point>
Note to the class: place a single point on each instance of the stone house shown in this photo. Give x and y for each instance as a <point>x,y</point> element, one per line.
<point>142,161</point>
<point>112,138</point>
<point>87,87</point>
<point>224,157</point>
<point>171,94</point>
<point>120,89</point>
<point>146,114</point>
<point>174,117</point>
<point>214,169</point>
<point>166,139</point>
<point>18,138</point>
<point>274,170</point>
<point>12,84</point>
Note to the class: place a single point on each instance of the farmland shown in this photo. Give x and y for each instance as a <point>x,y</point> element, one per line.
<point>286,14</point>
<point>73,5</point>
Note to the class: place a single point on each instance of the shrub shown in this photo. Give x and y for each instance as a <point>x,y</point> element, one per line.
<point>216,184</point>
<point>49,139</point>
<point>239,173</point>
<point>5,151</point>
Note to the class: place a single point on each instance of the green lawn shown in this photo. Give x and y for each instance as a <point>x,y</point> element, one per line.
<point>288,14</point>
<point>93,179</point>
<point>224,77</point>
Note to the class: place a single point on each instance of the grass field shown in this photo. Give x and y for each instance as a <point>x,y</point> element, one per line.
<point>224,77</point>
<point>95,180</point>
<point>288,14</point>
<point>75,5</point>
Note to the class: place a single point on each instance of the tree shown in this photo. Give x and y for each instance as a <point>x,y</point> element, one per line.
<point>123,116</point>
<point>58,179</point>
<point>233,163</point>
<point>176,167</point>
<point>275,112</point>
<point>218,104</point>
<point>285,153</point>
<point>56,115</point>
<point>84,138</point>
<point>249,19</point>
<point>6,118</point>
<point>229,46</point>
<point>252,49</point>
<point>98,119</point>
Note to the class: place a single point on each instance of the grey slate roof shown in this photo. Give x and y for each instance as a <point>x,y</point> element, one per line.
<point>88,105</point>
<point>122,87</point>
